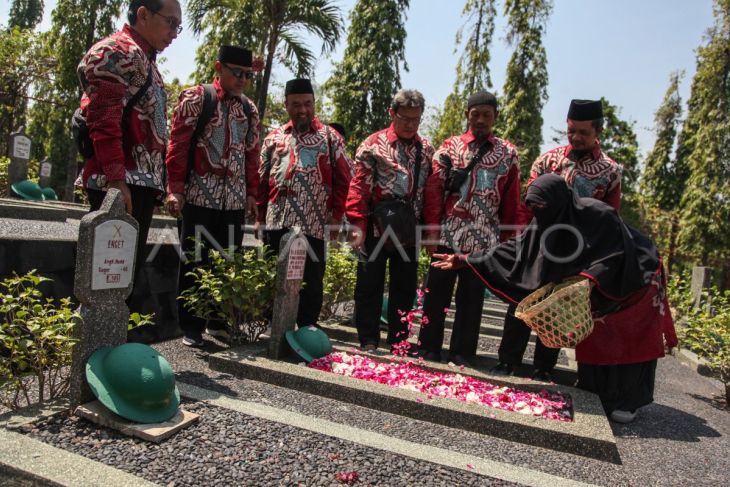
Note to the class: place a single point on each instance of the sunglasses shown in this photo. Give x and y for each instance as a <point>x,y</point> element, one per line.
<point>240,73</point>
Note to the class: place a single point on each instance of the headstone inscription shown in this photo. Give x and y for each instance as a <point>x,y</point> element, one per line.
<point>104,278</point>
<point>289,274</point>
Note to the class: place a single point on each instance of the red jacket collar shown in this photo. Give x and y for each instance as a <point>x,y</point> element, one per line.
<point>393,137</point>
<point>468,138</point>
<point>140,41</point>
<point>316,125</point>
<point>596,152</point>
<point>221,92</point>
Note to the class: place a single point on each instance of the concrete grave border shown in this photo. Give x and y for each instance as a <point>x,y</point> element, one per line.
<point>588,435</point>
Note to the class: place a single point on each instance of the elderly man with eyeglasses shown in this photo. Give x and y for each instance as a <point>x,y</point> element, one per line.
<point>124,105</point>
<point>391,169</point>
<point>212,166</point>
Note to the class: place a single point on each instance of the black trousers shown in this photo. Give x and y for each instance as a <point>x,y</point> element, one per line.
<point>469,302</point>
<point>312,292</point>
<point>222,228</point>
<point>371,284</point>
<point>626,386</point>
<point>143,205</point>
<point>514,342</point>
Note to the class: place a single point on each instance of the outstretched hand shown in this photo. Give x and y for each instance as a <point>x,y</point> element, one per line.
<point>445,262</point>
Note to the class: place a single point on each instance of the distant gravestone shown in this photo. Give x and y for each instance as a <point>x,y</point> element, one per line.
<point>289,275</point>
<point>104,278</point>
<point>701,277</point>
<point>19,147</point>
<point>44,174</point>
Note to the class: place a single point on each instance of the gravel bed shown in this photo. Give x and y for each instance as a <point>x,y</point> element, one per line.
<point>670,441</point>
<point>230,448</point>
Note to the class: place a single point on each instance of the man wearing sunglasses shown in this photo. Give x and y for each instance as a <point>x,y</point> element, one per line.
<point>124,106</point>
<point>212,167</point>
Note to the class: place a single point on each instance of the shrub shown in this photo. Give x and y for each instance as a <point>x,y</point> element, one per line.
<point>238,289</point>
<point>35,341</point>
<point>707,333</point>
<point>339,279</point>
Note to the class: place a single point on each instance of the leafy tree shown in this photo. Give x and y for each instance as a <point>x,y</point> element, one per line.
<point>618,141</point>
<point>472,70</point>
<point>25,14</point>
<point>364,82</point>
<point>269,27</point>
<point>663,180</point>
<point>525,89</point>
<point>76,26</point>
<point>703,148</point>
<point>25,60</point>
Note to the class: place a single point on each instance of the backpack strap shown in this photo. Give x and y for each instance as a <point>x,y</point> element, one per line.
<point>140,93</point>
<point>210,103</point>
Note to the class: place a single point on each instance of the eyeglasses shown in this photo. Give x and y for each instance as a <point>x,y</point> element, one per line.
<point>171,22</point>
<point>411,120</point>
<point>240,73</point>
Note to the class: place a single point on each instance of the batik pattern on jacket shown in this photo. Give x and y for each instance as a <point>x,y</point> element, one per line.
<point>133,149</point>
<point>470,218</point>
<point>226,154</point>
<point>385,169</point>
<point>303,179</point>
<point>594,175</point>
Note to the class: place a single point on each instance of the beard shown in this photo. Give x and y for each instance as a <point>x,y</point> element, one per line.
<point>303,125</point>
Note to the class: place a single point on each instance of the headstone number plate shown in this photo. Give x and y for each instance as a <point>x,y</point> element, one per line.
<point>21,147</point>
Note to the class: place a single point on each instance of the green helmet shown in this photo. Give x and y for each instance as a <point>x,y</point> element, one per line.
<point>49,194</point>
<point>28,190</point>
<point>309,342</point>
<point>134,381</point>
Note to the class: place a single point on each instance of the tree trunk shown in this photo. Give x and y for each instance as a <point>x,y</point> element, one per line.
<point>672,243</point>
<point>264,91</point>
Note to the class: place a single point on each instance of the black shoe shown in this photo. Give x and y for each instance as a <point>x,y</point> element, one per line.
<point>459,360</point>
<point>542,375</point>
<point>432,356</point>
<point>193,339</point>
<point>503,369</point>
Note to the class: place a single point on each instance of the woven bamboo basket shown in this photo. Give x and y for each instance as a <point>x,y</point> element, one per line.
<point>559,313</point>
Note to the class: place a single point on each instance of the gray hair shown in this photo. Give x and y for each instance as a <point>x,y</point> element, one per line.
<point>408,98</point>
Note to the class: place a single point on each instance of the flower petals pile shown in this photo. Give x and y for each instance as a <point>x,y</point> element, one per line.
<point>407,375</point>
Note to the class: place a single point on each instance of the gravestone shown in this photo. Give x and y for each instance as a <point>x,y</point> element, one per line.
<point>19,147</point>
<point>289,274</point>
<point>44,179</point>
<point>701,277</point>
<point>104,278</point>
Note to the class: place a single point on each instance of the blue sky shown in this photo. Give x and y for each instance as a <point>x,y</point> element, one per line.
<point>624,50</point>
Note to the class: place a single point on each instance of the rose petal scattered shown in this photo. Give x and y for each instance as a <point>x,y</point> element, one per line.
<point>347,477</point>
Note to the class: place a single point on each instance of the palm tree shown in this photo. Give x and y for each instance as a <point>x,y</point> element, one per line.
<point>272,28</point>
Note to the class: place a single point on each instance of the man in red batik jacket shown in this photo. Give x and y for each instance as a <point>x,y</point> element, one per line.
<point>214,183</point>
<point>391,164</point>
<point>304,174</point>
<point>473,191</point>
<point>129,149</point>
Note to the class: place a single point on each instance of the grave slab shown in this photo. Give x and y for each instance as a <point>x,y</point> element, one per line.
<point>97,413</point>
<point>589,434</point>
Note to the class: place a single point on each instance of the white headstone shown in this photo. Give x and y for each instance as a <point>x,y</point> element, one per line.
<point>21,147</point>
<point>45,170</point>
<point>114,247</point>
